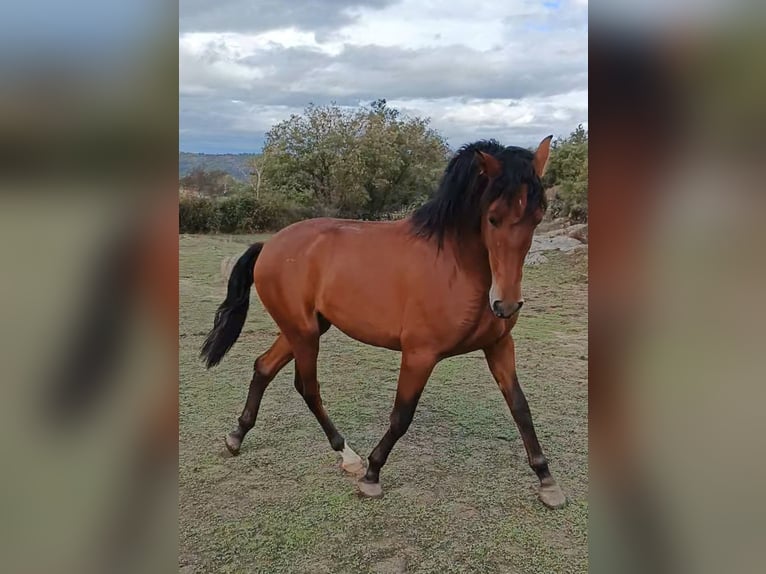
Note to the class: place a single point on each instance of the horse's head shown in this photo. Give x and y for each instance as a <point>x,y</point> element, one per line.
<point>513,206</point>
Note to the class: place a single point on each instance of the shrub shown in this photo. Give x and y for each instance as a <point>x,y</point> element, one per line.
<point>568,173</point>
<point>242,214</point>
<point>198,215</point>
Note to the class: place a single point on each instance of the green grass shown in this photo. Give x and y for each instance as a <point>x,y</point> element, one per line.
<point>459,496</point>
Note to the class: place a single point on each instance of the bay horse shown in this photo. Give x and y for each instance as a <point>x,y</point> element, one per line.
<point>443,282</point>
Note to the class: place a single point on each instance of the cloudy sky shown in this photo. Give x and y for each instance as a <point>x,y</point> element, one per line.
<point>515,70</point>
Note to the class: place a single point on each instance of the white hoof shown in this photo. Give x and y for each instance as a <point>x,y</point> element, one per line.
<point>350,461</point>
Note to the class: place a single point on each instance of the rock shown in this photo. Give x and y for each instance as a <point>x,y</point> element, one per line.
<point>579,232</point>
<point>556,240</point>
<point>535,258</point>
<point>549,226</point>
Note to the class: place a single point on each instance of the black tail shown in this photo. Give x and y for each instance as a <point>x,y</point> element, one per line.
<point>232,313</point>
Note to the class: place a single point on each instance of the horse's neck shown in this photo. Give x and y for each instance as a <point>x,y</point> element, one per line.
<point>472,260</point>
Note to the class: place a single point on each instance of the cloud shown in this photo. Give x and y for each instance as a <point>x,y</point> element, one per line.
<point>517,71</point>
<point>516,122</point>
<point>298,74</point>
<point>262,15</point>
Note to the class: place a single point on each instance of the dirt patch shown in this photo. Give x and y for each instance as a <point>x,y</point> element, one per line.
<point>396,565</point>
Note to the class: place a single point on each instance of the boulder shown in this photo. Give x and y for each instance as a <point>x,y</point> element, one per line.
<point>579,232</point>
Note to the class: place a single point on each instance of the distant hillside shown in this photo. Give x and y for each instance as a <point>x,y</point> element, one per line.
<point>236,165</point>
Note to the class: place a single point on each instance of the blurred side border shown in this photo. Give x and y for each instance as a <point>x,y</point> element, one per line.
<point>89,298</point>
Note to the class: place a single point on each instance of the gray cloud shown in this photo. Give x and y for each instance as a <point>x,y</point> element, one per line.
<point>365,72</point>
<point>249,16</point>
<point>296,76</point>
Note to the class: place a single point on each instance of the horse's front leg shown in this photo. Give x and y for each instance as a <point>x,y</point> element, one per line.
<point>413,375</point>
<point>501,358</point>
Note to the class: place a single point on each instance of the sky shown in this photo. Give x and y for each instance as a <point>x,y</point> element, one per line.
<point>514,70</point>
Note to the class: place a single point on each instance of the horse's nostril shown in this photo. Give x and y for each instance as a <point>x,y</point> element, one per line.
<point>505,310</point>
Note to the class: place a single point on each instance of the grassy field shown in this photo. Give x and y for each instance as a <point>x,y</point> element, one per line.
<point>459,496</point>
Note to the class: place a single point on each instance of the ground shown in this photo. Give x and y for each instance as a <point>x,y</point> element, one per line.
<point>459,495</point>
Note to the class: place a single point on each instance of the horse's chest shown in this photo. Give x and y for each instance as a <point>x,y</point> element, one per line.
<point>484,333</point>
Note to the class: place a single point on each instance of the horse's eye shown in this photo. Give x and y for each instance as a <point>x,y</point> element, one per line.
<point>493,221</point>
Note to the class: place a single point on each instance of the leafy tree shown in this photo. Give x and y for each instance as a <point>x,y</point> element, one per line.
<point>359,162</point>
<point>568,172</point>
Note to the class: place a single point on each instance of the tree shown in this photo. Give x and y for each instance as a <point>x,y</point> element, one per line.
<point>256,173</point>
<point>361,162</point>
<point>568,172</point>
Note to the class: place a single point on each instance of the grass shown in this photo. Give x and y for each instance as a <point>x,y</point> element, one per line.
<point>459,496</point>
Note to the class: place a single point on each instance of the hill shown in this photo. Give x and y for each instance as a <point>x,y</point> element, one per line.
<point>236,165</point>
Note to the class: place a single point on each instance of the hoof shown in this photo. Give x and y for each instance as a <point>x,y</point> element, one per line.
<point>233,444</point>
<point>369,489</point>
<point>353,468</point>
<point>552,496</point>
<point>351,462</point>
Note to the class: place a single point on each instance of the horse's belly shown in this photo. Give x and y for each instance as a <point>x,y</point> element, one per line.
<point>367,332</point>
<point>364,309</point>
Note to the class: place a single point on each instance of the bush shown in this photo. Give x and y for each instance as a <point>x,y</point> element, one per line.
<point>198,215</point>
<point>568,173</point>
<point>245,214</point>
<point>241,214</point>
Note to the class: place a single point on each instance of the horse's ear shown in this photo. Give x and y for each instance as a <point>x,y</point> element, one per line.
<point>489,165</point>
<point>541,156</point>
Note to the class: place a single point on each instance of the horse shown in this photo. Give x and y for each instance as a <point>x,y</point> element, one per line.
<point>443,282</point>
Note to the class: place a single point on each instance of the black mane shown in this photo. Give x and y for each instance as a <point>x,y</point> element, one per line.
<point>463,194</point>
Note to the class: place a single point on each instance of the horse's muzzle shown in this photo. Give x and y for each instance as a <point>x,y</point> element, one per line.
<point>505,310</point>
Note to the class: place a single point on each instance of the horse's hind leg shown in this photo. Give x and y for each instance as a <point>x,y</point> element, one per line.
<point>265,369</point>
<point>306,350</point>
